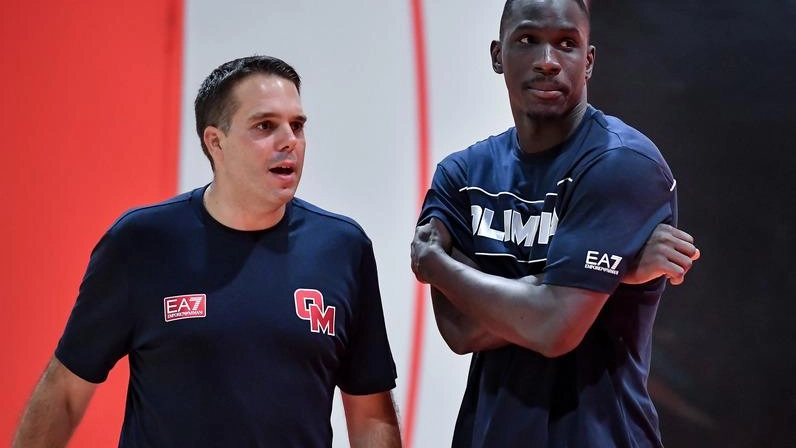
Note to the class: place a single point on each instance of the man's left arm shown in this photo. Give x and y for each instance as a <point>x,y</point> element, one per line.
<point>367,372</point>
<point>371,420</point>
<point>669,252</point>
<point>613,218</point>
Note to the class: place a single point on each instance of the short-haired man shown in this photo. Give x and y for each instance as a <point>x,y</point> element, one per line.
<point>240,306</point>
<point>570,193</point>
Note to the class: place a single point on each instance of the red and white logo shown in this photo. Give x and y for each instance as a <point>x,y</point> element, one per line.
<point>189,306</point>
<point>309,306</point>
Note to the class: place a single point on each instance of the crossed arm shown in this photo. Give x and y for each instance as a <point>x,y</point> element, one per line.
<point>548,319</point>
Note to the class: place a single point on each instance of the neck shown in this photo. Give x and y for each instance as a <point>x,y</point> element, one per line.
<point>538,134</point>
<point>235,212</point>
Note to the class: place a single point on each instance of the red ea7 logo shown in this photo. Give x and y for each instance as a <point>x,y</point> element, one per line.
<point>188,306</point>
<point>309,306</point>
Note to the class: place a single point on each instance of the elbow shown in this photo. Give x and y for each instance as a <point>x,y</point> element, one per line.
<point>558,347</point>
<point>460,346</point>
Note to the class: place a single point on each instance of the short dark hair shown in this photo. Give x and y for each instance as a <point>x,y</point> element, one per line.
<point>583,4</point>
<point>214,104</point>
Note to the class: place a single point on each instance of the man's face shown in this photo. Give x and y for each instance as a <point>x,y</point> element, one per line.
<point>262,153</point>
<point>545,56</point>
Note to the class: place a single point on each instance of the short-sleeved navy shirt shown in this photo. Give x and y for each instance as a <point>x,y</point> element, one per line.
<point>235,338</point>
<point>579,213</point>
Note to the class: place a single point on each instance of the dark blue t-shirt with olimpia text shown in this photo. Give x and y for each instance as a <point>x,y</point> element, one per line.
<point>234,338</point>
<point>579,213</point>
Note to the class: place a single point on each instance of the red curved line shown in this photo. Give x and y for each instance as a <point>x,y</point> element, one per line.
<point>421,83</point>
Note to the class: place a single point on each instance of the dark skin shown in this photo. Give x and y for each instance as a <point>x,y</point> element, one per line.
<point>546,60</point>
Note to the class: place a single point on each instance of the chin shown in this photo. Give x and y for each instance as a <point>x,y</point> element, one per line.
<point>545,115</point>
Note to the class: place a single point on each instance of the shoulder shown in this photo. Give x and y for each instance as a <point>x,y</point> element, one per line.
<point>172,212</point>
<point>488,149</point>
<point>616,135</point>
<point>327,222</point>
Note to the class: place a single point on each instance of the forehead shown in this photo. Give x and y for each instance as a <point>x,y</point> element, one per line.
<point>268,93</point>
<point>552,14</point>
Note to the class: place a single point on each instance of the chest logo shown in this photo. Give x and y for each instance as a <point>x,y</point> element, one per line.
<point>309,306</point>
<point>190,306</point>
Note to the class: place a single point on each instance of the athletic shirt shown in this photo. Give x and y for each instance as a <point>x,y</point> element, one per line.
<point>235,338</point>
<point>579,213</point>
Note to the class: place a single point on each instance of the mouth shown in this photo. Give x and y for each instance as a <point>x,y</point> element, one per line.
<point>283,170</point>
<point>545,90</point>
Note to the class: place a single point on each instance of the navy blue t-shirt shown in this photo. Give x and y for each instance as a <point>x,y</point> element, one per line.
<point>579,213</point>
<point>235,338</point>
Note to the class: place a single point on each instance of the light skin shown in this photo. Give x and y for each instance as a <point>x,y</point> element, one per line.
<point>546,60</point>
<point>258,162</point>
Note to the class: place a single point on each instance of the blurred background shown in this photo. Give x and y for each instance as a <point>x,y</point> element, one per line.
<point>97,117</point>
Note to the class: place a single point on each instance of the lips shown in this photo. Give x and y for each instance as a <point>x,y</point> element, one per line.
<point>282,170</point>
<point>283,167</point>
<point>545,89</point>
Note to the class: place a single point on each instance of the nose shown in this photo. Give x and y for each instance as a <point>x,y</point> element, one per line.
<point>546,63</point>
<point>289,138</point>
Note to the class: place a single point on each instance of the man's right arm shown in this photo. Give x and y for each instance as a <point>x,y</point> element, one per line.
<point>55,408</point>
<point>669,252</point>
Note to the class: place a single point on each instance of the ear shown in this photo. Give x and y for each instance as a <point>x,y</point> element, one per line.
<point>591,52</point>
<point>213,138</point>
<point>495,50</point>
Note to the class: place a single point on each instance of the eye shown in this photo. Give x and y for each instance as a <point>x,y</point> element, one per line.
<point>265,126</point>
<point>525,40</point>
<point>297,125</point>
<point>569,44</point>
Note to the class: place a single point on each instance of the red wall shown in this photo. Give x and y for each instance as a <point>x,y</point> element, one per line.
<point>89,112</point>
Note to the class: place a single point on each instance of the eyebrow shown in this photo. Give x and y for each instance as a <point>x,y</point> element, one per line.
<point>528,25</point>
<point>262,115</point>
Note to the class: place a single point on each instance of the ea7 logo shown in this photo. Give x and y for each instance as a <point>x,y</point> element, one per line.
<point>602,262</point>
<point>189,306</point>
<point>309,306</point>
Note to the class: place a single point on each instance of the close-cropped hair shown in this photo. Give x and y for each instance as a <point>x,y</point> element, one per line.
<point>215,104</point>
<point>582,4</point>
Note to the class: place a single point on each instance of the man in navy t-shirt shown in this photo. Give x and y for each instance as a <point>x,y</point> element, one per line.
<point>531,241</point>
<point>240,306</point>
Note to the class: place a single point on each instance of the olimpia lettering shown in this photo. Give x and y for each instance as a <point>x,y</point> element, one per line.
<point>538,227</point>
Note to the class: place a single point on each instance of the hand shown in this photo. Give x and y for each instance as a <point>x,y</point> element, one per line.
<point>669,252</point>
<point>430,239</point>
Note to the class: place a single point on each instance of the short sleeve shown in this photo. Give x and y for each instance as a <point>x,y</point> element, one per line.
<point>368,365</point>
<point>614,207</point>
<point>447,202</point>
<point>99,328</point>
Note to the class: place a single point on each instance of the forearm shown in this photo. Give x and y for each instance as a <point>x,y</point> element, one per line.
<point>54,410</point>
<point>371,420</point>
<point>462,333</point>
<point>547,319</point>
<point>378,435</point>
<point>45,424</point>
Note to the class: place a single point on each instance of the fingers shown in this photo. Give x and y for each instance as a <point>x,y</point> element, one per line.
<point>441,234</point>
<point>676,238</point>
<point>666,229</point>
<point>676,280</point>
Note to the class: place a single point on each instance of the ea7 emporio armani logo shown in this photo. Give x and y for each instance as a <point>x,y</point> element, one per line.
<point>602,262</point>
<point>309,306</point>
<point>189,306</point>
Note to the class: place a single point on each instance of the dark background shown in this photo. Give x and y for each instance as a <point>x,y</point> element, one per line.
<point>712,84</point>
